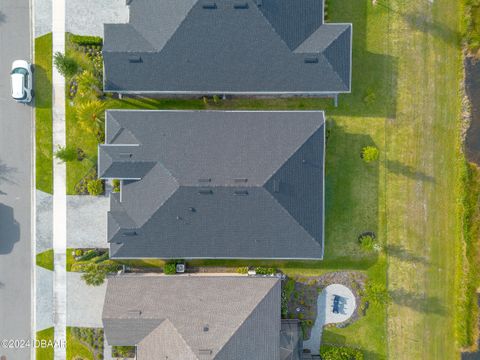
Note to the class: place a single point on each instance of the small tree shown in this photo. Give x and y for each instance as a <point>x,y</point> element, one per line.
<point>65,65</point>
<point>370,153</point>
<point>94,275</point>
<point>116,185</point>
<point>66,154</point>
<point>95,187</point>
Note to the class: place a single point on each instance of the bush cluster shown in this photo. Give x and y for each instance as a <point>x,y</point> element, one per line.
<point>170,269</point>
<point>265,271</point>
<point>340,353</point>
<point>242,270</point>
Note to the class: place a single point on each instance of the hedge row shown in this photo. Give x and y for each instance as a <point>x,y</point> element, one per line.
<point>86,40</point>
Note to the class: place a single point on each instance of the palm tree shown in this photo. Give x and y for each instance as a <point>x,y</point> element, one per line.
<point>89,86</point>
<point>91,115</point>
<point>94,275</point>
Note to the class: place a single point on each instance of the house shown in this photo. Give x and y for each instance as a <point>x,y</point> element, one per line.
<point>238,47</point>
<point>199,318</point>
<point>215,184</point>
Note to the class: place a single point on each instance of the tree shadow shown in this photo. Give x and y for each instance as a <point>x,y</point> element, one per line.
<point>417,302</point>
<point>10,229</point>
<point>6,175</point>
<point>43,99</point>
<point>351,194</point>
<point>398,168</point>
<point>403,254</point>
<point>435,28</point>
<point>374,74</point>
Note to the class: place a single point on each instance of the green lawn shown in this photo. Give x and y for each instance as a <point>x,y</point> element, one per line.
<point>45,353</point>
<point>75,349</point>
<point>43,113</point>
<point>45,259</point>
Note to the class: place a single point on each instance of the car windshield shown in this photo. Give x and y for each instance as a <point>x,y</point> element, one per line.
<point>19,71</point>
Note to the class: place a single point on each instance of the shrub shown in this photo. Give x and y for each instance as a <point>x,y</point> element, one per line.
<point>78,252</point>
<point>242,270</point>
<point>170,269</point>
<point>94,275</point>
<point>86,40</point>
<point>95,187</point>
<point>265,271</point>
<point>88,255</point>
<point>367,243</point>
<point>65,65</point>
<point>88,85</point>
<point>340,353</point>
<point>123,351</point>
<point>66,154</point>
<point>370,153</point>
<point>81,187</point>
<point>116,185</point>
<point>377,293</point>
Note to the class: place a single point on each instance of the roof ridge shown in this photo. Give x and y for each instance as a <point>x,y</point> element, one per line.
<point>292,217</point>
<point>293,153</point>
<point>246,318</point>
<point>173,32</point>
<point>273,28</point>
<point>320,29</point>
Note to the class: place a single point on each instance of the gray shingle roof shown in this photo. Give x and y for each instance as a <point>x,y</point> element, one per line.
<point>236,47</point>
<point>223,184</point>
<point>197,318</point>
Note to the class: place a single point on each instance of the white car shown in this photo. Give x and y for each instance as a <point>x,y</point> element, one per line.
<point>21,76</point>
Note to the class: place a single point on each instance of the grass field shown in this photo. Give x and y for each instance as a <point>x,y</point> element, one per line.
<point>45,353</point>
<point>43,113</point>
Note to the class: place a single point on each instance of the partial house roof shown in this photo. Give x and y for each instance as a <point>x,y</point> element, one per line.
<point>227,46</point>
<point>194,318</point>
<point>215,184</point>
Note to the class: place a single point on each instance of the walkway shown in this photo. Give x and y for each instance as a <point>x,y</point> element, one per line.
<point>59,185</point>
<point>325,315</point>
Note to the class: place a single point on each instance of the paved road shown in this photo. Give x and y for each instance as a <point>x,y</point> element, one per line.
<point>15,183</point>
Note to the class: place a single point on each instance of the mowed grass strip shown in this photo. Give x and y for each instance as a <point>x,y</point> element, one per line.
<point>422,170</point>
<point>45,353</point>
<point>43,113</point>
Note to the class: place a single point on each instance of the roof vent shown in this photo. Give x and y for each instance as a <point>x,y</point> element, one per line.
<point>134,59</point>
<point>240,180</point>
<point>276,186</point>
<point>241,192</point>
<point>205,328</point>
<point>128,2</point>
<point>209,6</point>
<point>205,191</point>
<point>205,352</point>
<point>192,209</point>
<point>310,60</point>
<point>204,180</point>
<point>259,3</point>
<point>126,155</point>
<point>134,312</point>
<point>240,5</point>
<point>129,233</point>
